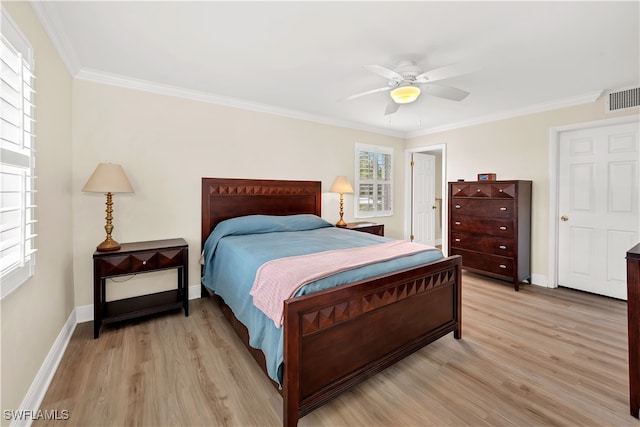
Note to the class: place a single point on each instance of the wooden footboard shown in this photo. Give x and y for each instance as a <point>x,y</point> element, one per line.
<point>337,338</point>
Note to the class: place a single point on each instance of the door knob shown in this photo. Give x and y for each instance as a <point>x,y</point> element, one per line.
<point>564,218</point>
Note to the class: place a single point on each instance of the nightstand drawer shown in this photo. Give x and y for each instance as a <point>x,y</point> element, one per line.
<point>129,264</point>
<point>367,227</point>
<point>143,261</point>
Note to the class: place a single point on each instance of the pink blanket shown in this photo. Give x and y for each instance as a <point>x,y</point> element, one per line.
<point>280,279</point>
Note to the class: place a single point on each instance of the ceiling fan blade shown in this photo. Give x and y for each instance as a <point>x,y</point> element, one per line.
<point>446,92</point>
<point>369,92</point>
<point>385,72</point>
<point>392,107</point>
<point>446,72</point>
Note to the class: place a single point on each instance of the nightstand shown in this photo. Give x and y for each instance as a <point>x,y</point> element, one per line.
<point>366,227</point>
<point>137,258</point>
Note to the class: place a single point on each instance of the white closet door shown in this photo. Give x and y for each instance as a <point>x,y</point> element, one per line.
<point>598,208</point>
<point>424,199</point>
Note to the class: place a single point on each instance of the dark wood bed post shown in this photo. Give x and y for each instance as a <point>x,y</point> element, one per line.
<point>291,388</point>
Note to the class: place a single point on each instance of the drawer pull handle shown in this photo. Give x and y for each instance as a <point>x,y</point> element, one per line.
<point>503,209</point>
<point>478,190</point>
<point>502,247</point>
<point>457,240</point>
<point>144,262</point>
<point>503,266</point>
<point>457,222</point>
<point>500,190</point>
<point>458,206</point>
<point>503,228</point>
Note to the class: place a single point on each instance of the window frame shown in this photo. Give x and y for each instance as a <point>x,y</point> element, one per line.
<point>376,181</point>
<point>17,157</point>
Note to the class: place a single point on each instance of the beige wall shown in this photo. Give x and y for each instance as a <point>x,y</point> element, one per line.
<point>167,144</point>
<point>33,316</point>
<point>516,148</point>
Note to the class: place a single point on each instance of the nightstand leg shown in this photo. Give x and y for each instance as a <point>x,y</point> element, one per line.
<point>183,285</point>
<point>98,297</point>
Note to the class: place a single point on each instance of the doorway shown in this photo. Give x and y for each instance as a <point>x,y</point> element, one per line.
<point>417,223</point>
<point>595,209</point>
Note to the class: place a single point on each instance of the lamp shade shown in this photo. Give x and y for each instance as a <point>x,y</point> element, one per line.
<point>341,185</point>
<point>108,178</point>
<point>405,94</point>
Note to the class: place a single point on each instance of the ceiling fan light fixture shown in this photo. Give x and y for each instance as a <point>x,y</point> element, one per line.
<point>405,94</point>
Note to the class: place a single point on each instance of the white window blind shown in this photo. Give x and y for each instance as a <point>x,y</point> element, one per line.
<point>374,181</point>
<point>17,159</point>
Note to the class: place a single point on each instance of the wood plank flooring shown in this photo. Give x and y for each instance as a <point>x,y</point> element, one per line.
<point>538,357</point>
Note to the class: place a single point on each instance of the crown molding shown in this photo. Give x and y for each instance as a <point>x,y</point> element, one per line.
<point>57,35</point>
<point>532,109</point>
<point>161,89</point>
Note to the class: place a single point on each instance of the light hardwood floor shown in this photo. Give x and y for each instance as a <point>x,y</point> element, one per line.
<point>538,357</point>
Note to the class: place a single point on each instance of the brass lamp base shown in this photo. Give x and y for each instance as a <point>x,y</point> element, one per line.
<point>108,245</point>
<point>341,223</point>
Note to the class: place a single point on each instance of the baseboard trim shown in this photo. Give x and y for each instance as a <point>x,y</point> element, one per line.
<point>33,399</point>
<point>540,280</point>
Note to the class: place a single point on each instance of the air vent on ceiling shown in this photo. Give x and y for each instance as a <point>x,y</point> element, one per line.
<point>623,99</point>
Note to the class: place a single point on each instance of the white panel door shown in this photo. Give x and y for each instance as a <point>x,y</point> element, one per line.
<point>598,207</point>
<point>424,199</point>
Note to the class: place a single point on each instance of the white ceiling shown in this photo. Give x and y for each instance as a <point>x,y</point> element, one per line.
<point>301,58</point>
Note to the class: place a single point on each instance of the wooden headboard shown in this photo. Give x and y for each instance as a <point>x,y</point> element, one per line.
<point>224,198</point>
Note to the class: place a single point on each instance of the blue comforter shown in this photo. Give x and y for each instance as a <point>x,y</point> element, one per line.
<point>238,247</point>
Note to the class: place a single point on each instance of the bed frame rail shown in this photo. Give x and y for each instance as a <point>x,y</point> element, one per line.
<point>364,327</point>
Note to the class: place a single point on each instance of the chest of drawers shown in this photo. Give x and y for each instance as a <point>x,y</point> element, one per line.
<point>490,227</point>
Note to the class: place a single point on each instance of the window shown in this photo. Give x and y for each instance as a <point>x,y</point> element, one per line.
<point>374,181</point>
<point>17,159</point>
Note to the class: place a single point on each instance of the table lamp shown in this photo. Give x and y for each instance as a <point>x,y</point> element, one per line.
<point>108,178</point>
<point>341,185</point>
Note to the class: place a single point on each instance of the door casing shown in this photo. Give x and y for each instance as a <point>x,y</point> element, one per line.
<point>430,149</point>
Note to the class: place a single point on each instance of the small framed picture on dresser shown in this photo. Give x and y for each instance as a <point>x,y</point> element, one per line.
<point>486,177</point>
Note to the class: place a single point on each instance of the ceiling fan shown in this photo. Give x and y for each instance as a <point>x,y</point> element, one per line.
<point>407,79</point>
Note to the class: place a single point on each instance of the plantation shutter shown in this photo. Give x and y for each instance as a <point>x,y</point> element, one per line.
<point>17,159</point>
<point>374,181</point>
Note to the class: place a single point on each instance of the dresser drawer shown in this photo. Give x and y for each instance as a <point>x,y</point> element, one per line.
<point>503,190</point>
<point>492,227</point>
<point>488,244</point>
<point>490,208</point>
<point>490,263</point>
<point>480,189</point>
<point>470,189</point>
<point>460,189</point>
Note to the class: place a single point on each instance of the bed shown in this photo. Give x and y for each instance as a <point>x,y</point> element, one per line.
<point>336,338</point>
